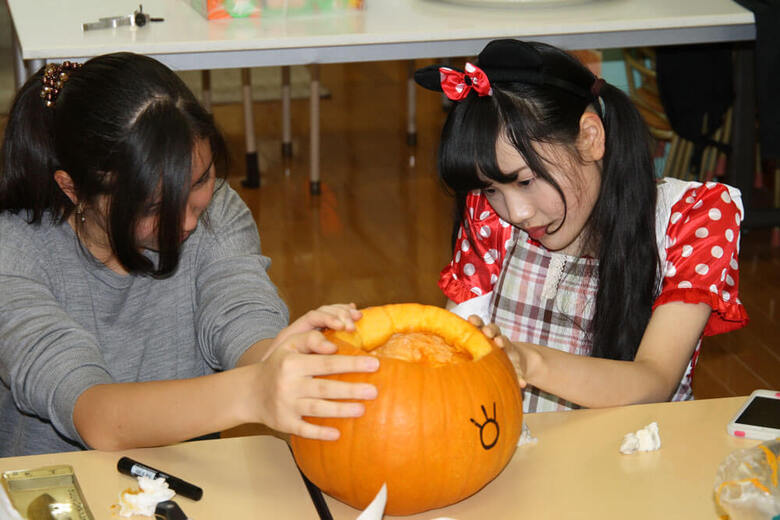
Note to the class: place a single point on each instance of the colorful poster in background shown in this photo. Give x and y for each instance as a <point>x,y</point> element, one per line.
<point>221,9</point>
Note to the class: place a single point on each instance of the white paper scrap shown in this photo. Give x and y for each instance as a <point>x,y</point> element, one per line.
<point>7,511</point>
<point>376,509</point>
<point>645,439</point>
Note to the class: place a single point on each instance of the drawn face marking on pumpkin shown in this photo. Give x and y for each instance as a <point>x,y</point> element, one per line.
<point>489,429</point>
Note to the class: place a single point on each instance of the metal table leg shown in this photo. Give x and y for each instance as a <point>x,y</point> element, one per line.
<point>314,124</point>
<point>411,107</point>
<point>252,166</point>
<point>286,116</point>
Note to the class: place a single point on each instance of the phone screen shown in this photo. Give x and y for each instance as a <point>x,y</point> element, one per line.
<point>762,411</point>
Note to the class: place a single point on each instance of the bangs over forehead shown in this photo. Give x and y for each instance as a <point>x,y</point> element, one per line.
<point>467,153</point>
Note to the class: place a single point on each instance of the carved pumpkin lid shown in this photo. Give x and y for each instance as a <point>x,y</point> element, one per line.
<point>378,324</point>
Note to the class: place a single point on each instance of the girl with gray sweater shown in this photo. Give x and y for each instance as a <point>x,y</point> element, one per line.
<point>135,308</point>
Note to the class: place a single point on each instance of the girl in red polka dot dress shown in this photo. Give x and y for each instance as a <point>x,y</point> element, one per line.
<point>597,278</point>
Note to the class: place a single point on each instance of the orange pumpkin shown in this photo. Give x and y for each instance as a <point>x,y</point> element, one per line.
<point>445,423</point>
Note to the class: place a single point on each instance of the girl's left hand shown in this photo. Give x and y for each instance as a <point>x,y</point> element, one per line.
<point>513,350</point>
<point>337,317</point>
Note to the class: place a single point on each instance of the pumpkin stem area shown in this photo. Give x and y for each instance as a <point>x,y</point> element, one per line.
<point>421,347</point>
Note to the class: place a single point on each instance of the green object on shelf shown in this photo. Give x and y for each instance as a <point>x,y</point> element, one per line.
<point>240,8</point>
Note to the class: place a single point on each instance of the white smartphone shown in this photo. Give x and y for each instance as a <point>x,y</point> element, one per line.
<point>759,417</point>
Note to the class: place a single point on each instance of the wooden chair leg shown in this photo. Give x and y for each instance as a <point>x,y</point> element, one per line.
<point>685,160</point>
<point>670,156</point>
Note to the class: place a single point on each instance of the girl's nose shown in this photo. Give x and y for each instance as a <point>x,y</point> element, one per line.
<point>520,211</point>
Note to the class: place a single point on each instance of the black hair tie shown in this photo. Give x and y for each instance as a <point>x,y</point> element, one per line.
<point>595,89</point>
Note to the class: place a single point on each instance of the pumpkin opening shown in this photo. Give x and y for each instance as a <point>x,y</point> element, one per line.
<point>421,347</point>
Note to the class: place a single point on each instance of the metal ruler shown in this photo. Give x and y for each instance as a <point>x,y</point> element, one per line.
<point>47,493</point>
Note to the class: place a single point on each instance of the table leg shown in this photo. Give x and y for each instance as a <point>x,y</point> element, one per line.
<point>252,166</point>
<point>411,107</point>
<point>205,83</point>
<point>20,73</point>
<point>286,116</point>
<point>314,130</point>
<point>742,167</point>
<point>33,66</point>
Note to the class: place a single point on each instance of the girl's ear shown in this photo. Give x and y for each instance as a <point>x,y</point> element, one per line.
<point>65,183</point>
<point>590,141</point>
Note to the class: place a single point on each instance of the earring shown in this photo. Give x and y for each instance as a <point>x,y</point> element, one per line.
<point>80,212</point>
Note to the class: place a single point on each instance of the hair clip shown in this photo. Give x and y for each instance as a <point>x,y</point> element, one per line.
<point>54,77</point>
<point>457,85</point>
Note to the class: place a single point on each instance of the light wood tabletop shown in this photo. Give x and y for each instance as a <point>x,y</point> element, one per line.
<point>574,470</point>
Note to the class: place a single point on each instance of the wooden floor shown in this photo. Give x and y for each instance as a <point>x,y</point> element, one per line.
<point>379,233</point>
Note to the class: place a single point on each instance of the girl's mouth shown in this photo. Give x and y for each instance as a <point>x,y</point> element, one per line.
<point>537,232</point>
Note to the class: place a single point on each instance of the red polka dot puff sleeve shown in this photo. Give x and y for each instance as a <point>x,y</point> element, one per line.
<point>702,246</point>
<point>480,249</point>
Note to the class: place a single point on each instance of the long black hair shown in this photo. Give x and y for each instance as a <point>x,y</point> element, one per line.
<point>124,126</point>
<point>539,94</point>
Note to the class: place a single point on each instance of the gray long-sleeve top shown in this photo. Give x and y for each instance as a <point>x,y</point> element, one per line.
<point>67,322</point>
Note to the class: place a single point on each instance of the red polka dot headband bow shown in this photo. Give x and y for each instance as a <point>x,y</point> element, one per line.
<point>456,85</point>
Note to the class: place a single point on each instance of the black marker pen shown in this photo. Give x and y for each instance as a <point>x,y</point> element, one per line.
<point>133,468</point>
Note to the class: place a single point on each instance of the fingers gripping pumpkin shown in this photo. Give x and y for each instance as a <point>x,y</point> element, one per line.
<point>446,420</point>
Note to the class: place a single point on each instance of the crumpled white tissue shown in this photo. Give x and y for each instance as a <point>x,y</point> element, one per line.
<point>144,501</point>
<point>646,439</point>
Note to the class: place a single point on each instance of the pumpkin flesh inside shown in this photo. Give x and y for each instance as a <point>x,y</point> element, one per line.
<point>421,347</point>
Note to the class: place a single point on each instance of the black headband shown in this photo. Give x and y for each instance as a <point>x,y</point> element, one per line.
<point>507,61</point>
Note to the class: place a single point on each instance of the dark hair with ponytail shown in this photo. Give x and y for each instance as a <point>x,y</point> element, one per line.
<point>124,126</point>
<point>544,106</point>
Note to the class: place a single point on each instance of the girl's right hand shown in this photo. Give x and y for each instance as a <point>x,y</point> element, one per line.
<point>290,390</point>
<point>514,351</point>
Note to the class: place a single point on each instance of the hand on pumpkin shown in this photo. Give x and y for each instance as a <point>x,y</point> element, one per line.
<point>290,390</point>
<point>513,351</point>
<point>337,317</point>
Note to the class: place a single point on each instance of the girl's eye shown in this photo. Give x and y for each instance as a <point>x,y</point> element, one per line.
<point>488,191</point>
<point>526,182</point>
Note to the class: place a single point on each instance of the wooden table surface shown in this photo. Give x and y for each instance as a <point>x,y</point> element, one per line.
<point>574,470</point>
